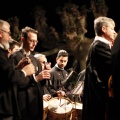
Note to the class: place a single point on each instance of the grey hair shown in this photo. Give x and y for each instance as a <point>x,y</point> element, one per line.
<point>38,55</point>
<point>2,22</point>
<point>100,22</point>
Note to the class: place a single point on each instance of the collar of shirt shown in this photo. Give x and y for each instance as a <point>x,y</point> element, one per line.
<point>24,52</point>
<point>102,40</point>
<point>1,46</point>
<point>56,65</point>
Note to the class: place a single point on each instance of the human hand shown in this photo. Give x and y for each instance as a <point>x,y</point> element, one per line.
<point>47,66</point>
<point>25,61</point>
<point>29,69</point>
<point>61,93</point>
<point>46,97</point>
<point>43,75</point>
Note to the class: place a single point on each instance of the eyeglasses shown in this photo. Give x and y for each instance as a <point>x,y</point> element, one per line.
<point>9,33</point>
<point>43,62</point>
<point>33,41</point>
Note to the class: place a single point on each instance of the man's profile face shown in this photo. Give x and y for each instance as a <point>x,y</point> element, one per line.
<point>31,41</point>
<point>43,60</point>
<point>5,36</point>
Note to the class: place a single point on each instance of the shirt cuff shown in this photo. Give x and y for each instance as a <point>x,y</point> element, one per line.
<point>34,77</point>
<point>24,72</point>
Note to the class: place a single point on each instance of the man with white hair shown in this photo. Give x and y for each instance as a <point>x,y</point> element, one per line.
<point>10,77</point>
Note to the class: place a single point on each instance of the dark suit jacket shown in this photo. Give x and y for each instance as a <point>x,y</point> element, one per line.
<point>9,77</point>
<point>30,96</point>
<point>57,76</point>
<point>98,70</point>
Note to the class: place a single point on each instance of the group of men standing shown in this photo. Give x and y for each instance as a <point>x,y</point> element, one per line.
<point>25,81</point>
<point>23,78</point>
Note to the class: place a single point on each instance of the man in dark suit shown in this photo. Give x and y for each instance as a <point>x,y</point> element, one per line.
<point>58,72</point>
<point>9,77</point>
<point>98,70</point>
<point>30,94</point>
<point>46,84</point>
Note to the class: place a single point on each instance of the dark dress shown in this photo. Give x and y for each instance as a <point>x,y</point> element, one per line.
<point>30,96</point>
<point>98,70</point>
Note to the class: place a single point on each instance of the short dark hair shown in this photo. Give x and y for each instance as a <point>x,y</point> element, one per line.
<point>63,53</point>
<point>13,43</point>
<point>26,30</point>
